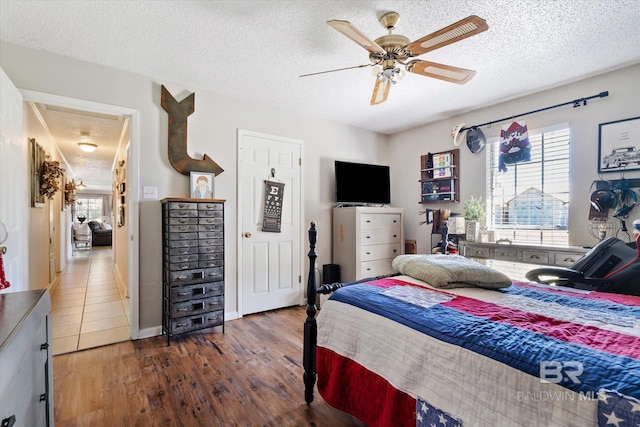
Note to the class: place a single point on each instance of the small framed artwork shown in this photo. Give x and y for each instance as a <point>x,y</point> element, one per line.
<point>37,157</point>
<point>121,216</point>
<point>202,185</point>
<point>619,145</point>
<point>122,187</point>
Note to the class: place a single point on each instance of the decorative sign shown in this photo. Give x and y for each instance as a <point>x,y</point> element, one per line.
<point>273,193</point>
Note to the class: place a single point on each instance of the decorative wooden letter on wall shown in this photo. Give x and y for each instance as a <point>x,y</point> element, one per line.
<point>178,113</point>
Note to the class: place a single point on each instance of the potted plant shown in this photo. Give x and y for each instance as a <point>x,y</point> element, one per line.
<point>473,214</point>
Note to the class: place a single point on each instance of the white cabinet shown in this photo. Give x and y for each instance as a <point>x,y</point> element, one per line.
<point>26,374</point>
<point>366,240</point>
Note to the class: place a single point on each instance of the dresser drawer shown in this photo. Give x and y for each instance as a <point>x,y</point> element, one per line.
<point>210,214</point>
<point>195,276</point>
<point>182,213</point>
<point>182,251</point>
<point>187,228</point>
<point>380,235</point>
<point>196,306</point>
<point>210,206</point>
<point>211,249</point>
<point>566,259</point>
<point>181,205</point>
<point>183,258</point>
<point>183,236</point>
<point>535,257</point>
<point>212,224</point>
<point>203,290</point>
<point>209,221</point>
<point>505,254</point>
<point>193,323</point>
<point>178,266</point>
<point>477,252</point>
<point>210,235</point>
<point>376,268</point>
<point>211,255</point>
<point>182,220</point>
<point>373,252</point>
<point>182,243</point>
<point>379,220</point>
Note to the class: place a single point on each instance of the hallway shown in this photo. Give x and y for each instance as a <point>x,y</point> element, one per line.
<point>88,308</point>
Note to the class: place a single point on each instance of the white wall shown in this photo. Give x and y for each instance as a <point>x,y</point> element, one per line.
<point>39,217</point>
<point>212,130</point>
<point>623,102</point>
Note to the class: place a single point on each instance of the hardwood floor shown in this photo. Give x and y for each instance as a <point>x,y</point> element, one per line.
<point>249,376</point>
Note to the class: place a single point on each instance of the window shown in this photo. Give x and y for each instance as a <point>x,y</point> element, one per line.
<point>530,202</point>
<point>89,207</point>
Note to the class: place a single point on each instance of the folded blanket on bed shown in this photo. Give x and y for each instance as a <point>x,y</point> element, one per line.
<point>450,271</point>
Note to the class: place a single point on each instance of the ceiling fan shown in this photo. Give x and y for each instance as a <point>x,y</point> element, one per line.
<point>386,52</point>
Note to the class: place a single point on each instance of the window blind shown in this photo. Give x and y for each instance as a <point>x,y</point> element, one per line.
<point>529,204</point>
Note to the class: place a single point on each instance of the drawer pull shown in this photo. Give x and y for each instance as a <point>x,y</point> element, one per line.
<point>183,309</point>
<point>184,266</point>
<point>184,251</point>
<point>9,421</point>
<point>395,250</point>
<point>43,397</point>
<point>183,205</point>
<point>368,253</point>
<point>183,228</point>
<point>534,257</point>
<point>368,220</point>
<point>395,235</point>
<point>368,269</point>
<point>180,325</point>
<point>183,294</point>
<point>478,252</point>
<point>181,277</point>
<point>569,260</point>
<point>183,220</point>
<point>368,237</point>
<point>44,346</point>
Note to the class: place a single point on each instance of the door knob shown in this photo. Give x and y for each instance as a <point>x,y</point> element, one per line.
<point>247,234</point>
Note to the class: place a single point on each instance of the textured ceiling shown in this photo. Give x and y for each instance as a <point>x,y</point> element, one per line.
<point>255,50</point>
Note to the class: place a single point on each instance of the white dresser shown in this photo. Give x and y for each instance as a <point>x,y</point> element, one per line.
<point>366,240</point>
<point>26,373</point>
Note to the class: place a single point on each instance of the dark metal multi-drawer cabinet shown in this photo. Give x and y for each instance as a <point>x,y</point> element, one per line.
<point>192,265</point>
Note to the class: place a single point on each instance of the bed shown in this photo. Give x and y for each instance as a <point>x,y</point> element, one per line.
<point>397,351</point>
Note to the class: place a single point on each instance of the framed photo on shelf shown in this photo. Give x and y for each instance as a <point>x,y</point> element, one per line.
<point>619,145</point>
<point>202,185</point>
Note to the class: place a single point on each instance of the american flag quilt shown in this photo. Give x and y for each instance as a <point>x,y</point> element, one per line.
<point>523,355</point>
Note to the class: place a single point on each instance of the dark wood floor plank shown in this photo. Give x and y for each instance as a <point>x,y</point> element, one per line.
<point>249,376</point>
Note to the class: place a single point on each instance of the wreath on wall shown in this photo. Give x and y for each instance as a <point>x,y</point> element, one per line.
<point>50,178</point>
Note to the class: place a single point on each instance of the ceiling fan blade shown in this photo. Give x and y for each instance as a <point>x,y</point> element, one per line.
<point>460,30</point>
<point>346,28</point>
<point>380,92</point>
<point>338,69</point>
<point>440,71</point>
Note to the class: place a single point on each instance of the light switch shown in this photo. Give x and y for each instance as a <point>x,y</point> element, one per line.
<point>150,193</point>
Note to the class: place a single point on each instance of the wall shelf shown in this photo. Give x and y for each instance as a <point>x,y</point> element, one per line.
<point>439,177</point>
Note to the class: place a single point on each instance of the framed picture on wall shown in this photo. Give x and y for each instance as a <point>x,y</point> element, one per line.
<point>37,157</point>
<point>619,145</point>
<point>202,185</point>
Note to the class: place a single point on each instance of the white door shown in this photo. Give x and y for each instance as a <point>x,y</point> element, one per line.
<point>14,191</point>
<point>270,263</point>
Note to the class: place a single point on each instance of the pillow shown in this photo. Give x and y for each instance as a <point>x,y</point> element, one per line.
<point>106,226</point>
<point>450,271</point>
<point>82,230</point>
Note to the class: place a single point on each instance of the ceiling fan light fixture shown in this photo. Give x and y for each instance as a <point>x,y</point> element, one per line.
<point>87,147</point>
<point>81,186</point>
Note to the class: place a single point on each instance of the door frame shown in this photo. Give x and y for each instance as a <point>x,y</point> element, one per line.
<point>133,178</point>
<point>241,133</point>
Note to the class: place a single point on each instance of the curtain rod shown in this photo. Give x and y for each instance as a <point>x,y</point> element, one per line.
<point>575,102</point>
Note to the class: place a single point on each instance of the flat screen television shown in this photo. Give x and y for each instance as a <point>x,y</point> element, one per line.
<point>360,183</point>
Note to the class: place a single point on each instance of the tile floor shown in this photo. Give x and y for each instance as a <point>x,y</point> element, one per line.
<point>88,308</point>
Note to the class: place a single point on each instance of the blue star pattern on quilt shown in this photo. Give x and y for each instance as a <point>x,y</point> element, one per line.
<point>429,416</point>
<point>618,410</point>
